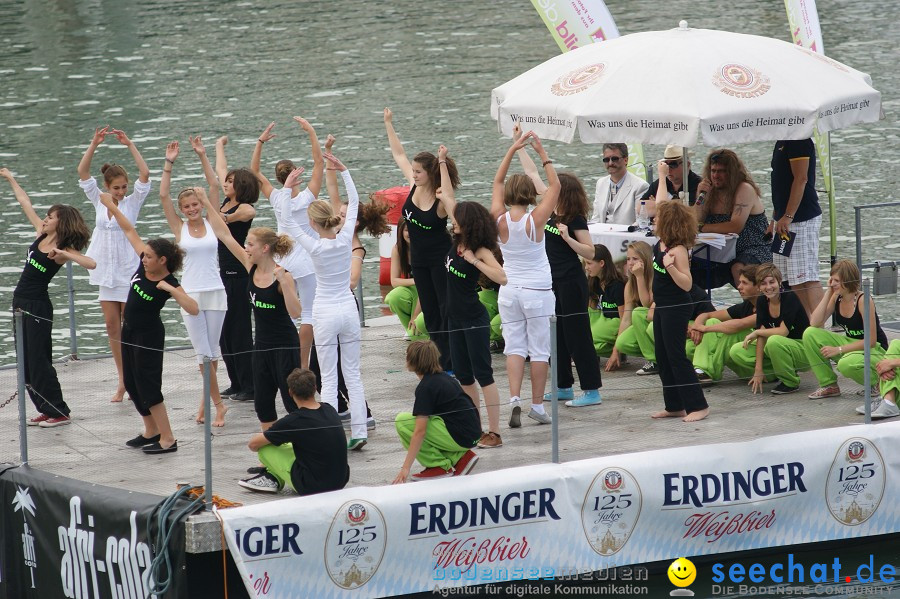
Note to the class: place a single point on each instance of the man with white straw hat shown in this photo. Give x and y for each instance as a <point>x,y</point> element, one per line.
<point>614,201</point>
<point>674,158</point>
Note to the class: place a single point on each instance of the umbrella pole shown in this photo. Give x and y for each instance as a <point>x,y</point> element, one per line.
<point>829,186</point>
<point>685,182</point>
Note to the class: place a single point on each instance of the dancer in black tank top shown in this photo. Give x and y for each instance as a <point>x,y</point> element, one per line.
<point>61,236</point>
<point>676,228</point>
<point>241,189</point>
<point>143,333</point>
<point>426,213</point>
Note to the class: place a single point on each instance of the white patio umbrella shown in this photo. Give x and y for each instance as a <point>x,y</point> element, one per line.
<point>675,86</point>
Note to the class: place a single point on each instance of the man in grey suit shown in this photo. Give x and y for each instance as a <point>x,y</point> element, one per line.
<point>616,193</point>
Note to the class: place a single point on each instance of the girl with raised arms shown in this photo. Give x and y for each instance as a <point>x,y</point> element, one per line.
<point>115,258</point>
<point>201,277</point>
<point>143,333</point>
<point>426,213</point>
<point>61,236</point>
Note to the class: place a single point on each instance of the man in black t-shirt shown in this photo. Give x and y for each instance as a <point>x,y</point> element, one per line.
<point>306,450</point>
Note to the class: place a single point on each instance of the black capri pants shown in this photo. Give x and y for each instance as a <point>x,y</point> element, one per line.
<point>271,367</point>
<point>41,379</point>
<point>681,388</point>
<point>142,365</point>
<point>573,336</point>
<point>470,349</point>
<point>431,284</point>
<point>236,340</point>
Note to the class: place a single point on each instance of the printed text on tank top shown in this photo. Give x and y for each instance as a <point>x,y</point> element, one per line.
<point>267,280</point>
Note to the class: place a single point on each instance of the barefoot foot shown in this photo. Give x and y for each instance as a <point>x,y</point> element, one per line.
<point>665,414</point>
<point>119,396</point>
<point>696,416</point>
<point>221,410</point>
<point>199,418</point>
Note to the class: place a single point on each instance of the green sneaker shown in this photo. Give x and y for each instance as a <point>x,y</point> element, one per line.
<point>356,444</point>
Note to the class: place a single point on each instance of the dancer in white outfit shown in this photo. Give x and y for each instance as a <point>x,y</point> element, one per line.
<point>115,258</point>
<point>297,262</point>
<point>526,302</point>
<point>335,319</point>
<point>201,268</point>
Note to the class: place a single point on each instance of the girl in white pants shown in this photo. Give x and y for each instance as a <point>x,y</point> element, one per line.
<point>335,318</point>
<point>297,262</point>
<point>201,268</point>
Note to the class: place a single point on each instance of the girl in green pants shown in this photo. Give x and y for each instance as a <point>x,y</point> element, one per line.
<point>403,299</point>
<point>606,296</point>
<point>889,378</point>
<point>775,347</point>
<point>633,337</point>
<point>844,300</point>
<point>715,332</point>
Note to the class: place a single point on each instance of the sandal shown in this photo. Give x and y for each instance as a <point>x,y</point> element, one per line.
<point>823,392</point>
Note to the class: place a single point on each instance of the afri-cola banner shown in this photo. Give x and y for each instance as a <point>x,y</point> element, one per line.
<point>558,519</point>
<point>68,539</point>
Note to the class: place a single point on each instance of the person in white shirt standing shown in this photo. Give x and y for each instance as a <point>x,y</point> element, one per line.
<point>616,193</point>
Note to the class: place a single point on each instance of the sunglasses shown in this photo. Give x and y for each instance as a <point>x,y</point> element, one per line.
<point>609,159</point>
<point>672,163</point>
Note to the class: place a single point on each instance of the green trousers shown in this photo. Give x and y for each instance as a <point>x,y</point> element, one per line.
<point>893,352</point>
<point>604,332</point>
<point>438,448</point>
<point>637,340</point>
<point>402,302</point>
<point>850,364</point>
<point>782,358</point>
<point>278,460</point>
<point>488,299</point>
<point>712,353</point>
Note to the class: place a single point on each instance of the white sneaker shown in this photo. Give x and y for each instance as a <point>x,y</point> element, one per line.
<point>515,416</point>
<point>875,404</point>
<point>541,418</point>
<point>886,409</point>
<point>264,483</point>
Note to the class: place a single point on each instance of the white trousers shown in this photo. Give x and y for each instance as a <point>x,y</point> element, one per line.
<point>525,316</point>
<point>204,331</point>
<point>333,324</point>
<point>306,290</point>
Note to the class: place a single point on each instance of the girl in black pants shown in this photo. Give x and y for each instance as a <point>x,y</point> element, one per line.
<point>426,213</point>
<point>567,238</point>
<point>676,227</point>
<point>471,255</point>
<point>143,333</point>
<point>62,234</point>
<point>241,189</point>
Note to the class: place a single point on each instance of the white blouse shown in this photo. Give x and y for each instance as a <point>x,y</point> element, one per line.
<point>297,261</point>
<point>116,260</point>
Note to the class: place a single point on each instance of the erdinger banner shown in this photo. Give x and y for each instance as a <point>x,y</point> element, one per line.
<point>69,539</point>
<point>557,520</point>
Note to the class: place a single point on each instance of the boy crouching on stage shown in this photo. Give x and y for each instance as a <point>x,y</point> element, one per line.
<point>443,426</point>
<point>307,449</point>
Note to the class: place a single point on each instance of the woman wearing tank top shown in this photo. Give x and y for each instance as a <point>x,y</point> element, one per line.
<point>526,301</point>
<point>241,190</point>
<point>201,268</point>
<point>61,236</point>
<point>297,262</point>
<point>426,213</point>
<point>115,259</point>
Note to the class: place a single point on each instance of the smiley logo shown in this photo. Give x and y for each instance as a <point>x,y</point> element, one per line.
<point>682,572</point>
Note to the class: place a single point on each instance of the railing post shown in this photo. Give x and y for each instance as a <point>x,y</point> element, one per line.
<point>857,210</point>
<point>554,394</point>
<point>207,428</point>
<point>73,334</point>
<point>867,352</point>
<point>20,379</point>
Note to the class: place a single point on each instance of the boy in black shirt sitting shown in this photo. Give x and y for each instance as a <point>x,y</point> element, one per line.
<point>307,449</point>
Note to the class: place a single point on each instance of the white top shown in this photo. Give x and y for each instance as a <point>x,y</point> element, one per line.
<point>524,258</point>
<point>615,204</point>
<point>297,261</point>
<point>201,260</point>
<point>330,257</point>
<point>116,260</point>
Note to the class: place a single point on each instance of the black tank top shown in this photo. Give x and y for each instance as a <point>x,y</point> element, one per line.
<point>145,300</point>
<point>229,266</point>
<point>462,287</point>
<point>429,240</point>
<point>274,327</point>
<point>39,269</point>
<point>665,291</point>
<point>854,327</point>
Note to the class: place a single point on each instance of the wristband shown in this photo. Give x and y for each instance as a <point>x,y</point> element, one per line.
<point>546,162</point>
<point>170,161</point>
<point>442,162</point>
<point>790,216</point>
<point>260,141</point>
<point>225,218</point>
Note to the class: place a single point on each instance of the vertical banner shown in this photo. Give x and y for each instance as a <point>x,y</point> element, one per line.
<point>803,20</point>
<point>576,23</point>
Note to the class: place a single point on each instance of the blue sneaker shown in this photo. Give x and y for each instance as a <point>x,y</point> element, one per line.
<point>588,398</point>
<point>564,393</point>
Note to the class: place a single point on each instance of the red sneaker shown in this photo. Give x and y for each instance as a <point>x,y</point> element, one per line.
<point>37,420</point>
<point>465,464</point>
<point>58,421</point>
<point>430,473</point>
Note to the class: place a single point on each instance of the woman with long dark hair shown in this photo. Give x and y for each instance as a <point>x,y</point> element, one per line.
<point>241,189</point>
<point>426,211</point>
<point>606,290</point>
<point>61,236</point>
<point>109,248</point>
<point>403,299</point>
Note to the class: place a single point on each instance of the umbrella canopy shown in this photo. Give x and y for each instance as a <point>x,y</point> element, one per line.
<point>675,86</point>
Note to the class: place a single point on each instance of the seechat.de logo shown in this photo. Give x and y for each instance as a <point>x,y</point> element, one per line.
<point>682,574</point>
